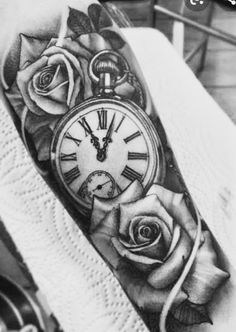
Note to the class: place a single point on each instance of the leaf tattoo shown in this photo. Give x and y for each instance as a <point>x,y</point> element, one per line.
<point>79,22</point>
<point>96,21</point>
<point>115,40</point>
<point>189,313</point>
<point>99,17</point>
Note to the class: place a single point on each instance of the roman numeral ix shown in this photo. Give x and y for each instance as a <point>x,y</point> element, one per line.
<point>72,175</point>
<point>68,157</point>
<point>131,174</point>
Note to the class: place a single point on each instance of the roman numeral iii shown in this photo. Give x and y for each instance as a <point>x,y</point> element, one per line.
<point>131,174</point>
<point>137,156</point>
<point>72,175</point>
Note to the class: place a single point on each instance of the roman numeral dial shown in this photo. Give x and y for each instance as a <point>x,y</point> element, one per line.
<point>68,157</point>
<point>102,146</point>
<point>72,175</point>
<point>132,137</point>
<point>87,129</point>
<point>102,119</point>
<point>131,174</point>
<point>137,156</point>
<point>75,140</point>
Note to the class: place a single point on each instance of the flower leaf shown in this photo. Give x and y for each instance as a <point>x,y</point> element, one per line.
<point>189,313</point>
<point>115,40</point>
<point>99,17</point>
<point>79,22</point>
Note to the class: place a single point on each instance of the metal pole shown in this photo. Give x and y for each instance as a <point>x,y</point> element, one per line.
<point>228,38</point>
<point>191,54</point>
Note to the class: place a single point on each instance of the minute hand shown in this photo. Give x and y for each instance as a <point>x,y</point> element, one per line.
<point>108,139</point>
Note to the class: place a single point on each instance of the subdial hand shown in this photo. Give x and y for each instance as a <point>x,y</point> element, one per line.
<point>100,186</point>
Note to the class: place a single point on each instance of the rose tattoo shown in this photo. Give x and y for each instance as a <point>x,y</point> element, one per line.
<point>147,241</point>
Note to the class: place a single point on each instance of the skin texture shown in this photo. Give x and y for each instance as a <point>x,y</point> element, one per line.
<point>83,111</point>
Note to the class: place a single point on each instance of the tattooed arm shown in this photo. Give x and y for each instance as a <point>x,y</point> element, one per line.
<point>81,106</point>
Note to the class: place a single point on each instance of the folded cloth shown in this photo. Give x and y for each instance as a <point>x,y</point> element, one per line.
<point>80,289</point>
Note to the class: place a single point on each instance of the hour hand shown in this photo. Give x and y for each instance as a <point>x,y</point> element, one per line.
<point>88,130</point>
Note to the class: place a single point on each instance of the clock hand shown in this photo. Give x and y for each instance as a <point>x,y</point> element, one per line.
<point>107,139</point>
<point>100,186</point>
<point>94,139</point>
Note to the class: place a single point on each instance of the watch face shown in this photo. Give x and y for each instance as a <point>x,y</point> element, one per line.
<point>101,147</point>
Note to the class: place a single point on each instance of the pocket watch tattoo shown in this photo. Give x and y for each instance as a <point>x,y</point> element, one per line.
<point>107,142</point>
<point>84,113</point>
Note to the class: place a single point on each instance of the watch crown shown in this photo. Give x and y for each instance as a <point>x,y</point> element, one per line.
<point>108,73</point>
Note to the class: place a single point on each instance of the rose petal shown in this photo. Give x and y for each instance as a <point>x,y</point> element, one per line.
<point>155,248</point>
<point>57,89</point>
<point>71,59</point>
<point>48,105</point>
<point>141,293</point>
<point>59,79</point>
<point>148,206</point>
<point>205,277</point>
<point>125,90</point>
<point>134,224</point>
<point>32,121</point>
<point>170,270</point>
<point>132,245</point>
<point>61,59</point>
<point>144,262</point>
<point>42,139</point>
<point>175,240</point>
<point>55,50</point>
<point>84,56</point>
<point>102,206</point>
<point>76,92</point>
<point>23,79</point>
<point>101,238</point>
<point>31,49</point>
<point>175,204</point>
<point>93,42</point>
<point>146,220</point>
<point>72,46</point>
<point>88,92</point>
<point>59,93</point>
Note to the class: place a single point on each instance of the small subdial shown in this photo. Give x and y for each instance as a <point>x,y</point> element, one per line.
<point>98,183</point>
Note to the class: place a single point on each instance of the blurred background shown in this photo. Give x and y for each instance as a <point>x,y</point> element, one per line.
<point>212,59</point>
